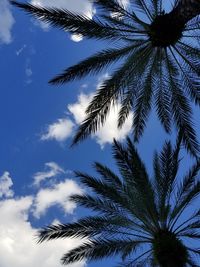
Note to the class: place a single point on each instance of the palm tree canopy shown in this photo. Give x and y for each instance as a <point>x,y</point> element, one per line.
<point>158,66</point>
<point>139,218</point>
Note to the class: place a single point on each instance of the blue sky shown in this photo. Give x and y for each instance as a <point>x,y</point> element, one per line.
<point>37,125</point>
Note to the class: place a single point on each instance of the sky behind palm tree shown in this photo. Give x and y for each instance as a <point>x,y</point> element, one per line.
<point>38,122</point>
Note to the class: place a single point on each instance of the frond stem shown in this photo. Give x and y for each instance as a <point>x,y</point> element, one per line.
<point>146,239</point>
<point>147,10</point>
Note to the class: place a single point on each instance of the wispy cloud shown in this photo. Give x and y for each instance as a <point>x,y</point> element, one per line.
<point>52,169</point>
<point>5,185</point>
<point>20,50</point>
<point>6,22</point>
<point>28,71</point>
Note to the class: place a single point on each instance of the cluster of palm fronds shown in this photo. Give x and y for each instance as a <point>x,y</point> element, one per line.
<point>159,63</point>
<point>157,60</point>
<point>136,212</point>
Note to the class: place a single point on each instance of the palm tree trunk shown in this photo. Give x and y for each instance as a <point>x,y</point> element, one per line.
<point>186,10</point>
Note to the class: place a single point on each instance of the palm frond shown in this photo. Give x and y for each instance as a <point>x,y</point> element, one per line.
<point>191,232</point>
<point>74,23</point>
<point>108,175</point>
<point>186,223</point>
<point>125,24</point>
<point>108,94</point>
<point>93,64</point>
<point>137,181</point>
<point>164,180</point>
<point>189,57</point>
<point>136,261</point>
<point>189,78</point>
<point>162,94</point>
<point>126,107</point>
<point>111,6</point>
<point>143,102</point>
<point>82,228</point>
<point>186,200</point>
<point>115,7</point>
<point>105,207</point>
<point>98,249</point>
<point>89,227</point>
<point>182,111</point>
<point>101,187</point>
<point>144,8</point>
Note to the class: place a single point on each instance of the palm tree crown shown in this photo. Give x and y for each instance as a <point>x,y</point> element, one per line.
<point>138,218</point>
<point>159,61</point>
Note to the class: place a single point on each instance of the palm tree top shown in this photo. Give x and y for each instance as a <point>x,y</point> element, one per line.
<point>158,59</point>
<point>144,220</point>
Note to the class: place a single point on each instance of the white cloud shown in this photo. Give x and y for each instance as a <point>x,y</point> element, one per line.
<point>78,109</point>
<point>125,3</point>
<point>109,131</point>
<point>57,195</point>
<point>51,170</point>
<point>17,238</point>
<point>104,135</point>
<point>20,50</point>
<point>43,25</point>
<point>59,131</point>
<point>76,37</point>
<point>79,6</point>
<point>28,72</point>
<point>5,185</point>
<point>6,22</point>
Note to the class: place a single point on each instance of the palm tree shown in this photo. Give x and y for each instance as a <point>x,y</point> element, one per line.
<point>159,62</point>
<point>144,221</point>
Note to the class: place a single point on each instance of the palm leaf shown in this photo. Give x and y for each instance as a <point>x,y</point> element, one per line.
<point>162,94</point>
<point>93,64</point>
<point>74,23</point>
<point>187,200</point>
<point>114,6</point>
<point>110,177</point>
<point>108,94</point>
<point>136,177</point>
<point>98,249</point>
<point>126,106</point>
<point>182,111</point>
<point>143,99</point>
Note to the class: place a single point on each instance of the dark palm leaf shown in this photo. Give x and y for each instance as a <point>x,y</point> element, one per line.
<point>136,217</point>
<point>99,248</point>
<point>94,64</point>
<point>71,22</point>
